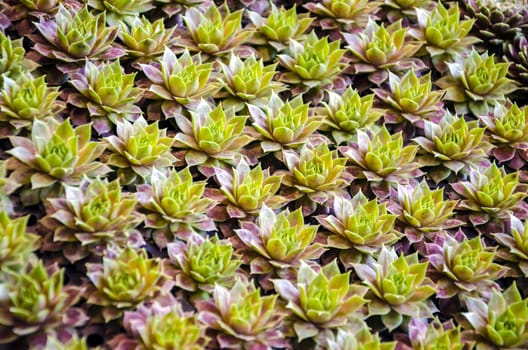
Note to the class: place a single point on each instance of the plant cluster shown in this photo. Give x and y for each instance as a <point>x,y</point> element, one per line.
<point>263,175</point>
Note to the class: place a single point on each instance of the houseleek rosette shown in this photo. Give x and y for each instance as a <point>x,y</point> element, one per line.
<point>411,98</point>
<point>423,211</point>
<point>398,287</point>
<point>178,81</point>
<point>55,152</point>
<point>174,204</point>
<point>516,244</point>
<point>161,324</point>
<point>452,146</point>
<point>507,127</point>
<point>211,135</point>
<point>315,172</point>
<point>138,148</point>
<point>343,14</point>
<point>445,35</point>
<point>246,190</point>
<point>278,241</point>
<point>321,299</point>
<point>12,61</point>
<point>379,49</point>
<point>201,263</point>
<point>359,227</point>
<point>126,278</point>
<point>382,158</point>
<point>435,335</point>
<point>345,113</point>
<point>463,267</point>
<point>282,125</point>
<point>241,318</point>
<point>74,35</point>
<point>362,339</point>
<point>248,81</point>
<point>279,27</point>
<point>491,193</point>
<point>16,245</point>
<point>25,99</point>
<point>476,83</point>
<point>313,63</point>
<point>35,303</point>
<point>501,322</point>
<point>91,215</point>
<point>106,92</point>
<point>215,31</point>
<point>145,40</point>
<point>119,9</point>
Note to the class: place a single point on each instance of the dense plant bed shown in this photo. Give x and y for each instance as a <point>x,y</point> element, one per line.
<point>336,174</point>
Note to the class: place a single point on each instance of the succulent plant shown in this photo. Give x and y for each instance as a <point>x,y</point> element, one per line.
<point>491,194</point>
<point>56,152</point>
<point>5,183</point>
<point>435,335</point>
<point>178,81</point>
<point>90,216</point>
<point>379,49</point>
<point>463,266</point>
<point>57,343</point>
<point>74,343</point>
<point>106,92</point>
<point>382,157</point>
<point>246,190</point>
<point>278,242</point>
<point>215,32</point>
<point>201,263</point>
<point>516,243</point>
<point>282,125</point>
<point>143,39</point>
<point>476,82</point>
<point>25,99</point>
<point>12,61</point>
<point>39,6</point>
<point>241,318</point>
<point>278,28</point>
<point>248,81</point>
<point>397,286</point>
<point>321,299</point>
<point>507,126</point>
<point>363,339</point>
<point>345,113</point>
<point>126,278</point>
<point>316,172</point>
<point>173,7</point>
<point>500,322</point>
<point>359,227</point>
<point>119,9</point>
<point>452,146</point>
<point>74,35</point>
<point>445,35</point>
<point>35,302</point>
<point>312,63</point>
<point>395,10</point>
<point>516,53</point>
<point>423,211</point>
<point>16,245</point>
<point>160,325</point>
<point>211,135</point>
<point>497,22</point>
<point>138,148</point>
<point>174,204</point>
<point>411,98</point>
<point>343,14</point>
